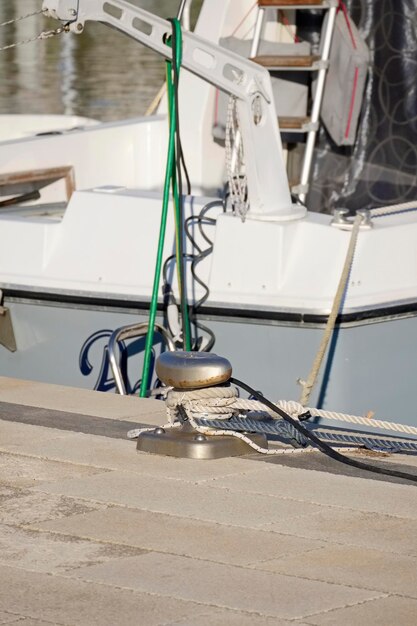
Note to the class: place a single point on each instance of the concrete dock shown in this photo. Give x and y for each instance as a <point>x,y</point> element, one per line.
<point>94,533</point>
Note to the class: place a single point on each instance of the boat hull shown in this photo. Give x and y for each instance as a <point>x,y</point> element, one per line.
<point>369,366</point>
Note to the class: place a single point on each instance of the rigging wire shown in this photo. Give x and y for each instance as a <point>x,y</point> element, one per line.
<point>22,17</point>
<point>46,34</point>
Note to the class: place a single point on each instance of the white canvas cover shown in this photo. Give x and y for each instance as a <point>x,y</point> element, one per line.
<point>345,82</point>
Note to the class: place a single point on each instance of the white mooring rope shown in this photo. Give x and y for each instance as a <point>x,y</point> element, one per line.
<point>384,211</point>
<point>218,403</point>
<point>309,384</point>
<point>295,409</point>
<point>223,403</point>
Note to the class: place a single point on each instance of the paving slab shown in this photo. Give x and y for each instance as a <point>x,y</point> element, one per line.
<point>177,535</point>
<point>15,437</point>
<point>96,451</point>
<point>386,611</point>
<point>348,565</point>
<point>28,621</point>
<point>409,459</point>
<point>52,553</point>
<point>326,489</point>
<point>21,471</point>
<point>224,617</point>
<point>318,462</point>
<point>213,617</point>
<point>176,497</point>
<point>84,401</point>
<point>63,600</point>
<point>23,507</point>
<point>9,618</point>
<point>9,491</point>
<point>223,585</point>
<point>66,421</point>
<point>356,528</point>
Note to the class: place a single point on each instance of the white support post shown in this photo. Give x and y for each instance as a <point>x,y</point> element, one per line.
<point>258,32</point>
<point>186,16</point>
<point>268,190</point>
<point>318,99</point>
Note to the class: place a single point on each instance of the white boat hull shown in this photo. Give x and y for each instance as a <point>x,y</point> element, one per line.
<point>370,366</point>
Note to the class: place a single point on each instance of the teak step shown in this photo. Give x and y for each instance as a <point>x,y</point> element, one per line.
<point>28,182</point>
<point>294,124</point>
<point>296,4</point>
<point>287,62</point>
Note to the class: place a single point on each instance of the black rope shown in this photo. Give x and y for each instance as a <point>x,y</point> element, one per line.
<point>326,449</point>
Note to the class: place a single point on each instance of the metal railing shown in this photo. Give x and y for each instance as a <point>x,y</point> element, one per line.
<point>132,331</point>
<point>184,13</point>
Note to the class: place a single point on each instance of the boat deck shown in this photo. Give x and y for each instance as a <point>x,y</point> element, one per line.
<point>93,532</point>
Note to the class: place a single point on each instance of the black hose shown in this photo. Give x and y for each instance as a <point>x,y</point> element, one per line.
<point>326,449</point>
<point>201,219</point>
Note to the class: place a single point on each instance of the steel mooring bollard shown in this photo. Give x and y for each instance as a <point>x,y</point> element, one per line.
<point>191,374</point>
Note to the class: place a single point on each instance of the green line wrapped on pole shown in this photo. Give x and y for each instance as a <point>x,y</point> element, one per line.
<point>170,178</point>
<point>173,110</point>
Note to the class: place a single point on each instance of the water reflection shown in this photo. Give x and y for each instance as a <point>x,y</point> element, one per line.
<point>100,74</point>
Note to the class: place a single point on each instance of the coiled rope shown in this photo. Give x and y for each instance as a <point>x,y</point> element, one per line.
<point>182,404</point>
<point>223,403</point>
<point>216,403</point>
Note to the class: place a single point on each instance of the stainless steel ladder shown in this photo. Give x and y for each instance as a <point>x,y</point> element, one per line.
<point>312,63</point>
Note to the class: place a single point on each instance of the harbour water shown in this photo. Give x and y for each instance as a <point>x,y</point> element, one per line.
<point>100,74</point>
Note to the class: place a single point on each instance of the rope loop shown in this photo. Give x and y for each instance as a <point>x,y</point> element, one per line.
<point>214,402</point>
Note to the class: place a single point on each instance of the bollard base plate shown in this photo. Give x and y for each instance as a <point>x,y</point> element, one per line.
<point>189,444</point>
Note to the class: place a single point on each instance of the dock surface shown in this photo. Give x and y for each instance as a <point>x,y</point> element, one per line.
<point>94,533</point>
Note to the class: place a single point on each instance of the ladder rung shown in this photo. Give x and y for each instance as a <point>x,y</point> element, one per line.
<point>294,124</point>
<point>286,61</point>
<point>296,4</point>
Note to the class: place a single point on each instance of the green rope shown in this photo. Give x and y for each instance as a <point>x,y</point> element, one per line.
<point>170,180</point>
<point>175,191</point>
